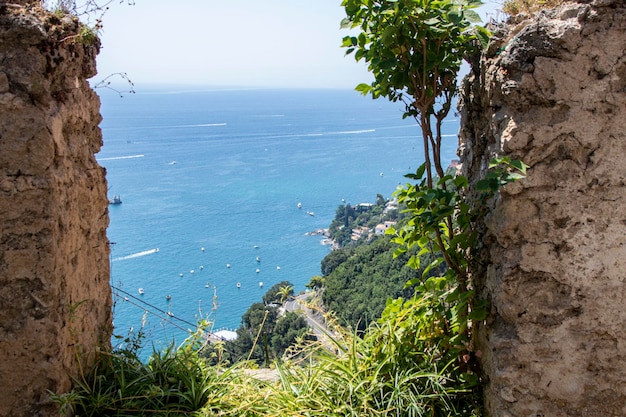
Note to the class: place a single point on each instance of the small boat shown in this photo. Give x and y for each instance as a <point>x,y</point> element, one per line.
<point>227,265</point>
<point>258,259</point>
<point>140,291</point>
<point>310,213</point>
<point>180,275</point>
<point>256,246</point>
<point>169,313</point>
<point>258,270</point>
<point>168,297</point>
<point>300,205</point>
<point>202,249</point>
<point>201,267</point>
<point>116,200</point>
<point>207,285</point>
<point>192,271</point>
<point>260,283</point>
<point>239,285</point>
<point>277,267</point>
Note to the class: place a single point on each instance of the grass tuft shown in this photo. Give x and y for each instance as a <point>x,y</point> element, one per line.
<point>515,7</point>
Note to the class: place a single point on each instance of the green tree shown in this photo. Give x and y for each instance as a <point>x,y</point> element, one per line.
<point>289,328</point>
<point>317,282</point>
<point>362,279</point>
<point>273,295</point>
<point>414,49</point>
<point>285,292</point>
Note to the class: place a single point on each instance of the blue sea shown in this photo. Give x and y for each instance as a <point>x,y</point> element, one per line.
<point>210,182</point>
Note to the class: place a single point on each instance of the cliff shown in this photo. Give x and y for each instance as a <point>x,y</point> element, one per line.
<point>54,270</point>
<point>551,91</point>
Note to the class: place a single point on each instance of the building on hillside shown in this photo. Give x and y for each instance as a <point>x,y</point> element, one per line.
<point>360,232</point>
<point>361,207</point>
<point>381,228</point>
<point>391,205</point>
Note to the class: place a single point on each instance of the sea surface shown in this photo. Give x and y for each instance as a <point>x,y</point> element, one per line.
<point>210,182</point>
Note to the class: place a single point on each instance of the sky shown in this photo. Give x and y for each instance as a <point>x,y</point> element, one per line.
<point>228,43</point>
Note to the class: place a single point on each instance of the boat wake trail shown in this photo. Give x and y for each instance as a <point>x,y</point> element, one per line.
<point>137,255</point>
<point>120,157</point>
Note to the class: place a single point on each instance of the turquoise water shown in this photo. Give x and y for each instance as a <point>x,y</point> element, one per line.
<point>210,178</point>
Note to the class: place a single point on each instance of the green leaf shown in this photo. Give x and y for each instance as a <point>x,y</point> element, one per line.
<point>347,42</point>
<point>433,21</point>
<point>460,181</point>
<point>478,315</point>
<point>420,171</point>
<point>363,88</point>
<point>483,36</point>
<point>346,23</point>
<point>472,16</point>
<point>519,165</point>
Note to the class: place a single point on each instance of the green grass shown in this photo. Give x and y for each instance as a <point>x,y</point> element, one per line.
<point>395,369</point>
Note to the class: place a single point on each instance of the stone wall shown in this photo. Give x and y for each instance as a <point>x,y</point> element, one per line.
<point>551,91</point>
<point>55,298</point>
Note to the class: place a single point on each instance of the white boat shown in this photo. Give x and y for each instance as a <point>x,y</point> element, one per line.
<point>239,285</point>
<point>299,205</point>
<point>140,291</point>
<point>227,265</point>
<point>260,283</point>
<point>116,200</point>
<point>168,297</point>
<point>310,213</point>
<point>258,259</point>
<point>277,267</point>
<point>258,270</point>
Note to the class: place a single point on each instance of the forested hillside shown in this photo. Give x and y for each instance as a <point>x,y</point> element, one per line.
<point>360,279</point>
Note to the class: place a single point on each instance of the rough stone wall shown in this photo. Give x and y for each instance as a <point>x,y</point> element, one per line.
<point>551,91</point>
<point>55,298</point>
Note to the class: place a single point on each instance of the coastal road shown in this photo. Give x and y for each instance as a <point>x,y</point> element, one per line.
<point>313,319</point>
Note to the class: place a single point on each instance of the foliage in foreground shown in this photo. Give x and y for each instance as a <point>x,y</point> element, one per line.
<point>172,382</point>
<point>398,368</point>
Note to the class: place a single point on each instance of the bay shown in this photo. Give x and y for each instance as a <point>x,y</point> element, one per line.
<point>212,178</point>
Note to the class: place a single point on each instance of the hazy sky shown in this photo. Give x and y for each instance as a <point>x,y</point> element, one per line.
<point>273,43</point>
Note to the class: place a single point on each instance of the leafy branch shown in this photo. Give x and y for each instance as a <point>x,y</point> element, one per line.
<point>414,49</point>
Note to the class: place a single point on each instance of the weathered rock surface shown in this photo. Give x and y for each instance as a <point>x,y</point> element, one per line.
<point>551,91</point>
<point>55,299</point>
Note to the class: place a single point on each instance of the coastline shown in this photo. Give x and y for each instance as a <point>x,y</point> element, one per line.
<point>326,241</point>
